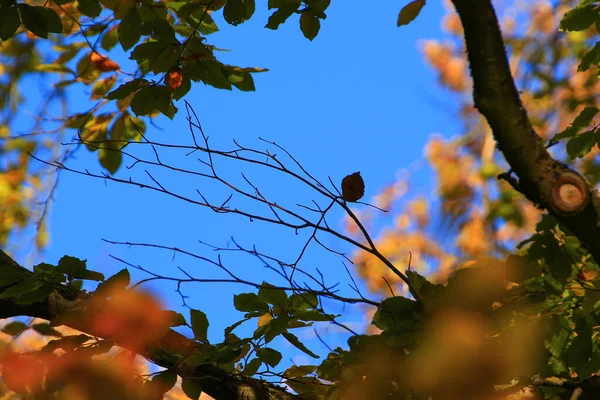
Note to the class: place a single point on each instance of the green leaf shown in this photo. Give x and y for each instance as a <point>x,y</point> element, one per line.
<point>238,11</point>
<point>309,25</point>
<point>9,21</point>
<point>272,295</point>
<point>293,339</point>
<point>241,79</point>
<point>116,283</point>
<point>10,276</point>
<point>210,72</point>
<point>410,11</point>
<point>558,262</point>
<point>175,318</point>
<point>40,20</point>
<point>164,381</point>
<point>150,98</point>
<point>46,330</point>
<point>314,315</point>
<point>14,328</point>
<point>34,296</point>
<point>269,356</point>
<point>590,58</point>
<point>251,367</point>
<point>110,39</point>
<point>582,354</point>
<point>230,328</point>
<point>274,328</point>
<point>110,156</point>
<point>161,56</point>
<point>26,286</point>
<point>299,370</point>
<point>282,14</point>
<point>579,18</point>
<point>126,89</point>
<point>581,121</point>
<point>249,302</point>
<point>192,387</point>
<point>119,7</point>
<point>393,311</point>
<point>72,266</point>
<point>199,324</point>
<point>185,87</point>
<point>90,8</point>
<point>102,86</point>
<point>581,144</point>
<point>160,30</point>
<point>303,301</point>
<point>130,29</point>
<point>59,68</point>
<point>125,129</point>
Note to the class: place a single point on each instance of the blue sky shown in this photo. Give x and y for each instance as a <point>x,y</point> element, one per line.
<point>357,98</point>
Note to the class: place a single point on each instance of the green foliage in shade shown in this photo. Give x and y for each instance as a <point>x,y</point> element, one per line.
<point>153,98</point>
<point>116,283</point>
<point>293,339</point>
<point>250,302</point>
<point>581,17</point>
<point>40,20</point>
<point>285,9</point>
<point>192,388</point>
<point>90,8</point>
<point>310,25</point>
<point>236,12</point>
<point>303,301</point>
<point>160,56</point>
<point>591,58</point>
<point>395,314</point>
<point>272,295</point>
<point>252,366</point>
<point>10,19</point>
<point>126,89</point>
<point>77,269</point>
<point>199,324</point>
<point>130,29</point>
<point>581,121</point>
<point>581,144</point>
<point>410,11</point>
<point>269,356</point>
<point>163,381</point>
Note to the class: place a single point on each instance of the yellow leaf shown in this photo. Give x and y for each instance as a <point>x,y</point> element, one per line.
<point>264,319</point>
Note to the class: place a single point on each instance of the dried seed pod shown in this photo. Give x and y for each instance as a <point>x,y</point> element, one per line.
<point>353,187</point>
<point>174,78</point>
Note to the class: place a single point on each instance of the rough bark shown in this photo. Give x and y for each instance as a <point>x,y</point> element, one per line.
<point>216,382</point>
<point>542,179</point>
